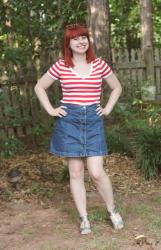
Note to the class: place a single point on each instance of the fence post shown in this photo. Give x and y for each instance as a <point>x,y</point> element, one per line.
<point>149,61</point>
<point>149,90</point>
<point>157,73</point>
<point>147,48</point>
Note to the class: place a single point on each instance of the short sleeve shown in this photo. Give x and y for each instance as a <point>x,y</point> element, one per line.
<point>54,70</point>
<point>106,69</point>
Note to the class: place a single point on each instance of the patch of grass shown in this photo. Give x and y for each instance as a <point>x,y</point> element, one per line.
<point>27,234</point>
<point>71,212</point>
<point>151,220</point>
<point>111,245</point>
<point>157,199</point>
<point>99,244</point>
<point>154,224</point>
<point>7,194</point>
<point>49,246</point>
<point>142,210</point>
<point>98,214</point>
<point>37,189</point>
<point>97,230</point>
<point>57,226</point>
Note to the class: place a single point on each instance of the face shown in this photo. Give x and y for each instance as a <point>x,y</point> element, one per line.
<point>79,44</point>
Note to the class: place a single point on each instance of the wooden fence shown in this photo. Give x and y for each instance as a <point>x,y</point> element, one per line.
<point>132,70</point>
<point>20,111</point>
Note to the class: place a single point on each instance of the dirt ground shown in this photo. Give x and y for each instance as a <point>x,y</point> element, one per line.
<point>40,214</point>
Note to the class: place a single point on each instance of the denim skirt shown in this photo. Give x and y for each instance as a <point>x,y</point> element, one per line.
<point>80,133</point>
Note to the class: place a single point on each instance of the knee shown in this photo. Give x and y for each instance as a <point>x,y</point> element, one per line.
<point>97,175</point>
<point>76,175</point>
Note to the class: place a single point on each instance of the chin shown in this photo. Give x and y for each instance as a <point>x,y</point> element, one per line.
<point>81,51</point>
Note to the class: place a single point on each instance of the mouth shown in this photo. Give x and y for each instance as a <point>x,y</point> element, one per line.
<point>82,46</point>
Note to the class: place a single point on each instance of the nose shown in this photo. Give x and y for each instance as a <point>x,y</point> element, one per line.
<point>81,39</point>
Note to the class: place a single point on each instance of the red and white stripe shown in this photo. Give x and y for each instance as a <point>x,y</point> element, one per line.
<point>77,89</point>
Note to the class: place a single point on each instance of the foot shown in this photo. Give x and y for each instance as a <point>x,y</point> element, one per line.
<point>85,227</point>
<point>116,219</point>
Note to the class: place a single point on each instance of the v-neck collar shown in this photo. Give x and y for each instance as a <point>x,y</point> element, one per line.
<point>77,74</point>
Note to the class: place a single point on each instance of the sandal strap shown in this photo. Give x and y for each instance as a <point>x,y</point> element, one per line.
<point>84,217</point>
<point>84,228</point>
<point>113,211</point>
<point>116,220</point>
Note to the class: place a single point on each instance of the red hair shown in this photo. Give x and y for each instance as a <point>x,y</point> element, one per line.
<point>70,32</point>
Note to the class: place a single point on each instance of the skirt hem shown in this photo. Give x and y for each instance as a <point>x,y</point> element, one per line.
<point>64,154</point>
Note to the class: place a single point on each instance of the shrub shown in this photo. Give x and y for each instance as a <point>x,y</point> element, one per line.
<point>148,151</point>
<point>10,146</point>
<point>118,141</point>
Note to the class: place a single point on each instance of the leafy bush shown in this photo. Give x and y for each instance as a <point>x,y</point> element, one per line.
<point>122,113</point>
<point>135,125</point>
<point>10,146</point>
<point>118,141</point>
<point>38,130</point>
<point>148,151</point>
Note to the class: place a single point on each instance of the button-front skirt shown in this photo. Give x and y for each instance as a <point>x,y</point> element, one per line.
<point>80,133</point>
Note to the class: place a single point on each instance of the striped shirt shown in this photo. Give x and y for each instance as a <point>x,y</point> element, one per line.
<point>80,90</point>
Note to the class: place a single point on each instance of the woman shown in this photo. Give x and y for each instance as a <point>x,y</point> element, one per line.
<point>79,132</point>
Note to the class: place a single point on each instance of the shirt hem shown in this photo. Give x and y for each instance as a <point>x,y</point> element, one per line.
<point>82,104</point>
<point>104,77</point>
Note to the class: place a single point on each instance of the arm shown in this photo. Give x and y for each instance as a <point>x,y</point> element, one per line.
<point>116,88</point>
<point>44,83</point>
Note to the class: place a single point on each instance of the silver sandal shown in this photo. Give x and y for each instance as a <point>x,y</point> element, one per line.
<point>85,227</point>
<point>116,219</point>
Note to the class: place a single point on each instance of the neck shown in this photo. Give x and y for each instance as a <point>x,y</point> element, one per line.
<point>79,58</point>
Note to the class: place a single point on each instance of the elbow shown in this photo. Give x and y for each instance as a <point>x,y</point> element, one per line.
<point>120,90</point>
<point>36,87</point>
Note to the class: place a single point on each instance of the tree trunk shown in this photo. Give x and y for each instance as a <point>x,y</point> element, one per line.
<point>99,26</point>
<point>147,38</point>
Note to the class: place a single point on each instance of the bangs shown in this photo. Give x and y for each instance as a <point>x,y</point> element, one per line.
<point>76,31</point>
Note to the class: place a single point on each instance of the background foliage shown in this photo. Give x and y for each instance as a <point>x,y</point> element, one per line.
<point>31,30</point>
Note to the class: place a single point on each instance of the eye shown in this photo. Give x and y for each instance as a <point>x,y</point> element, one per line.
<point>75,38</point>
<point>84,37</point>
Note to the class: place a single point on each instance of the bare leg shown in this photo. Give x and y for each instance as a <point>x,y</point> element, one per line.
<point>102,181</point>
<point>76,171</point>
<point>104,186</point>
